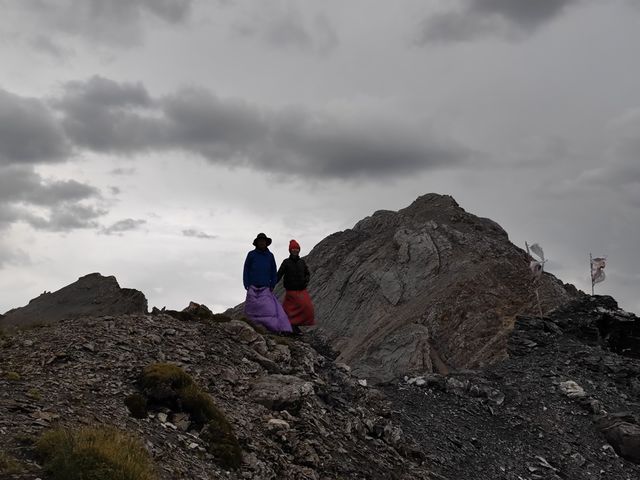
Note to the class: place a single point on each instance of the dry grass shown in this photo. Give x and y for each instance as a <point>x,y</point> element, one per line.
<point>100,453</point>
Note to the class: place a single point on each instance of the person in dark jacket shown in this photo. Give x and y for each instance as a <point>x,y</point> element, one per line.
<point>297,302</point>
<point>260,277</point>
<point>260,265</point>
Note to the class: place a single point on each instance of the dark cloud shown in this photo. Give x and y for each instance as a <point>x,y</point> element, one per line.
<point>121,226</point>
<point>285,27</point>
<point>29,133</point>
<point>192,232</point>
<point>471,19</point>
<point>46,204</point>
<point>123,171</point>
<point>23,185</point>
<point>113,22</point>
<point>106,117</point>
<point>66,217</point>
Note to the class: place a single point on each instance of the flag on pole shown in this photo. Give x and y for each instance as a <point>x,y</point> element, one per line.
<point>536,266</point>
<point>597,269</point>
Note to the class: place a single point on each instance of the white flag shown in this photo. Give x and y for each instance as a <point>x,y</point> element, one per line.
<point>597,269</point>
<point>536,266</point>
<point>537,249</point>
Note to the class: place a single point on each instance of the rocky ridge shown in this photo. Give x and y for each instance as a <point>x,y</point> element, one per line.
<point>427,288</point>
<point>296,414</point>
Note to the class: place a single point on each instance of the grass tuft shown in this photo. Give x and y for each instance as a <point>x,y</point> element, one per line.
<point>100,453</point>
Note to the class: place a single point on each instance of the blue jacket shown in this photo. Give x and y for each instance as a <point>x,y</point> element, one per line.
<point>260,269</point>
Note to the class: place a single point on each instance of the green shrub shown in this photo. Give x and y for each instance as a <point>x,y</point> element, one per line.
<point>9,465</point>
<point>13,376</point>
<point>137,405</point>
<point>179,391</point>
<point>100,453</point>
<point>222,442</point>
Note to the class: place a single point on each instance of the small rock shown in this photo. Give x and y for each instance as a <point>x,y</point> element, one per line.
<point>277,424</point>
<point>162,417</point>
<point>572,390</point>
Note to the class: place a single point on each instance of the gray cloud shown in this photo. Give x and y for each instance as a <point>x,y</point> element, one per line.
<point>29,133</point>
<point>121,226</point>
<point>66,217</point>
<point>114,22</point>
<point>192,232</point>
<point>46,204</point>
<point>105,116</point>
<point>123,171</point>
<point>285,27</point>
<point>476,18</point>
<point>23,185</point>
<point>11,256</point>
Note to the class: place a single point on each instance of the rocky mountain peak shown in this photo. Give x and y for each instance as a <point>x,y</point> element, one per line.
<point>92,294</point>
<point>429,287</point>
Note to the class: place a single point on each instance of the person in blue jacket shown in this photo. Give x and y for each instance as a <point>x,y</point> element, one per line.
<point>260,276</point>
<point>260,266</point>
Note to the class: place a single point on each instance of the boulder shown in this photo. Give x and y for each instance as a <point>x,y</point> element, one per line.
<point>281,392</point>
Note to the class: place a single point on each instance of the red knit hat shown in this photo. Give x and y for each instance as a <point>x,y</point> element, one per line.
<point>293,244</point>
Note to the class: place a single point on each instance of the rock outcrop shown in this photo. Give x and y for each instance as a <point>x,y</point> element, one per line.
<point>428,288</point>
<point>564,405</point>
<point>296,415</point>
<point>91,295</point>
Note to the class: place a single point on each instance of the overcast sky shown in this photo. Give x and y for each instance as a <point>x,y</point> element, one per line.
<point>153,139</point>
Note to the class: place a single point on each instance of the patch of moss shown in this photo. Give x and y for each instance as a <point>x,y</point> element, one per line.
<point>222,442</point>
<point>198,404</point>
<point>13,376</point>
<point>100,453</point>
<point>137,405</point>
<point>187,396</point>
<point>161,382</point>
<point>9,465</point>
<point>34,394</point>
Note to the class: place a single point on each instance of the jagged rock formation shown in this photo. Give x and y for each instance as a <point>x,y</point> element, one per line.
<point>563,406</point>
<point>91,295</point>
<point>296,414</point>
<point>428,288</point>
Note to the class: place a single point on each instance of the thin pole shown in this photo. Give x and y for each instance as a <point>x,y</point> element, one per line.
<point>591,272</point>
<point>539,305</point>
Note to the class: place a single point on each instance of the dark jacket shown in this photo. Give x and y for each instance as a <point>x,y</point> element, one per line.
<point>260,269</point>
<point>295,272</point>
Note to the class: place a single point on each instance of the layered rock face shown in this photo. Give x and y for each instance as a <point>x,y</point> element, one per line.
<point>91,295</point>
<point>428,288</point>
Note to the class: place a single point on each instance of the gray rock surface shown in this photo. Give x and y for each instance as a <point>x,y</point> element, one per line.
<point>428,288</point>
<point>91,295</point>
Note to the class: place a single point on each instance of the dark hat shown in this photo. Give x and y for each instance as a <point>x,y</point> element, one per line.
<point>263,236</point>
